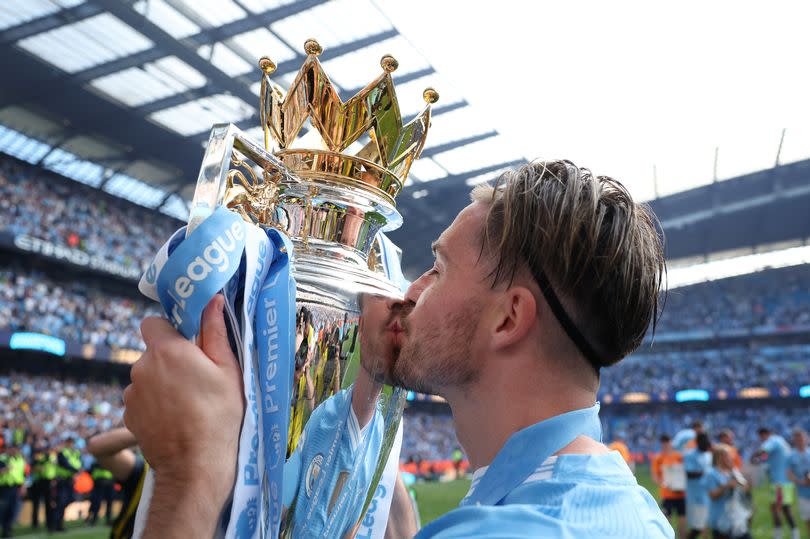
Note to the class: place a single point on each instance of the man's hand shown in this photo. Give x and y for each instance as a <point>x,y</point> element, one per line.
<point>185,408</point>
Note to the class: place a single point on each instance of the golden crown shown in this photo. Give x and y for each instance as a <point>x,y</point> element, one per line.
<point>382,163</point>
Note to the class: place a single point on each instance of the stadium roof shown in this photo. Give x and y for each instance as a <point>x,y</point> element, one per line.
<point>122,95</point>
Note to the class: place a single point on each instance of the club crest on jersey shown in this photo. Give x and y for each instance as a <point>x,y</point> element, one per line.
<point>313,471</point>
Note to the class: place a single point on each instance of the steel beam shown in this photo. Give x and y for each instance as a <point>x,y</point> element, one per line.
<point>48,22</point>
<point>452,145</point>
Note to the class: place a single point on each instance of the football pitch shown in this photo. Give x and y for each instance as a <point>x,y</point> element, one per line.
<point>436,498</point>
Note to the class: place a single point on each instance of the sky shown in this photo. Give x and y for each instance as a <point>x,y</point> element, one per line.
<point>645,92</point>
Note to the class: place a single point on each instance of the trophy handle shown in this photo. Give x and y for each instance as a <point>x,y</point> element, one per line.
<point>212,181</point>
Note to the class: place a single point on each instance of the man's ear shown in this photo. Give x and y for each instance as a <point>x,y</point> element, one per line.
<point>515,315</point>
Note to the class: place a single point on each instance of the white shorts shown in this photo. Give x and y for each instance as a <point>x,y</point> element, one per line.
<point>697,516</point>
<point>804,508</point>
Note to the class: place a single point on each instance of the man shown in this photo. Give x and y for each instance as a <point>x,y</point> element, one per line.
<point>12,481</point>
<point>113,452</point>
<point>103,491</point>
<point>686,438</point>
<point>68,464</point>
<point>365,424</point>
<point>669,474</point>
<point>726,437</point>
<point>305,479</point>
<point>537,285</point>
<point>775,452</point>
<point>799,473</point>
<point>43,475</point>
<point>697,462</point>
<point>728,516</point>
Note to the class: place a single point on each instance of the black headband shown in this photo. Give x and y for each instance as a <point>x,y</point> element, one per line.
<point>565,321</point>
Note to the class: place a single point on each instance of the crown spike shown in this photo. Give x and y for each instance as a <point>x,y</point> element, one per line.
<point>382,164</point>
<point>389,63</point>
<point>267,65</point>
<point>312,47</point>
<point>430,95</point>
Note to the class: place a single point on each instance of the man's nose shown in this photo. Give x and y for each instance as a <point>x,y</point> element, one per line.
<point>399,306</point>
<point>414,291</point>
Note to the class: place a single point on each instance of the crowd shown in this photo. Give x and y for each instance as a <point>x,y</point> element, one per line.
<point>44,428</point>
<point>70,214</point>
<point>45,409</point>
<point>428,437</point>
<point>767,300</point>
<point>730,368</point>
<point>73,310</point>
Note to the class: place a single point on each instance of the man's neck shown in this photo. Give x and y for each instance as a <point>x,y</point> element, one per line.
<point>487,414</point>
<point>364,397</point>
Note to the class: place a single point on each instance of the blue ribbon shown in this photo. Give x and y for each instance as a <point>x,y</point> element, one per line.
<point>275,319</point>
<point>199,267</point>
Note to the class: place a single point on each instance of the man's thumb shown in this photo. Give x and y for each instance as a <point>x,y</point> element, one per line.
<point>214,334</point>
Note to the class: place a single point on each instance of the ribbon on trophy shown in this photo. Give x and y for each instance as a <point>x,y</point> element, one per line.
<point>251,267</point>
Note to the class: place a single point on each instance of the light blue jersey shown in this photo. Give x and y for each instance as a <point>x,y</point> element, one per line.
<point>799,464</point>
<point>717,507</point>
<point>305,469</point>
<point>778,452</point>
<point>568,496</point>
<point>695,462</point>
<point>682,439</point>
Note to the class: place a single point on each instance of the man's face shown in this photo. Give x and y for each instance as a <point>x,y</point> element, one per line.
<point>799,440</point>
<point>380,334</point>
<point>763,436</point>
<point>726,438</point>
<point>441,342</point>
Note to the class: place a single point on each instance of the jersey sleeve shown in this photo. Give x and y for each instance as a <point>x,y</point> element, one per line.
<point>712,480</point>
<point>769,445</point>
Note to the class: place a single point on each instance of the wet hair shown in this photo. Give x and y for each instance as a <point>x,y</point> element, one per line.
<point>665,438</point>
<point>596,255</point>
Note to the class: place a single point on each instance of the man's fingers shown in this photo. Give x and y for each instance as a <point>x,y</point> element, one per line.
<point>215,342</point>
<point>155,329</point>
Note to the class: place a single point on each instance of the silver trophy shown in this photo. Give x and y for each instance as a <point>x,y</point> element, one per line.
<point>331,191</point>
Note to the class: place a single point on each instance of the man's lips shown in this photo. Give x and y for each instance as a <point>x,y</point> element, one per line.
<point>395,326</point>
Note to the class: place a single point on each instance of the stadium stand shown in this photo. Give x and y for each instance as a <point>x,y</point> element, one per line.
<point>431,435</point>
<point>70,310</point>
<point>45,206</point>
<point>777,300</point>
<point>43,409</point>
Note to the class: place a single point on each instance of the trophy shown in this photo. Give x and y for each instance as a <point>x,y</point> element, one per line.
<point>332,193</point>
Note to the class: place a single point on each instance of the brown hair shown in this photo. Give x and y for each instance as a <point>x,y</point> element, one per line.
<point>586,238</point>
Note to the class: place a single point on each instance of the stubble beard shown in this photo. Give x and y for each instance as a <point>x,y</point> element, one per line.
<point>439,357</point>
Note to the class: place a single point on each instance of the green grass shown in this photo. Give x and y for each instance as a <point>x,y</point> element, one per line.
<point>74,530</point>
<point>435,499</point>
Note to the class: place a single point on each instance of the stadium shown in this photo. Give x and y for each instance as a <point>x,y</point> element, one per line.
<point>106,108</point>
